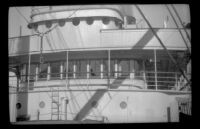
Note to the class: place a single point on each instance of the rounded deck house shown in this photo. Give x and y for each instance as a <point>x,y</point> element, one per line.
<point>88,65</point>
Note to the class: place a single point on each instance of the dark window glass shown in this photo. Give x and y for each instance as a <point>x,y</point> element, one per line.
<point>55,70</point>
<point>95,68</point>
<point>61,22</point>
<point>48,24</point>
<point>70,68</point>
<point>106,21</point>
<point>23,72</point>
<point>32,71</point>
<point>124,68</point>
<point>83,68</point>
<point>43,71</point>
<point>89,20</point>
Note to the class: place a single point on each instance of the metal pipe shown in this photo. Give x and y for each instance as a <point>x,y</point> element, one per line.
<point>29,71</point>
<point>178,28</point>
<point>67,61</point>
<point>109,68</point>
<point>171,57</point>
<point>155,65</point>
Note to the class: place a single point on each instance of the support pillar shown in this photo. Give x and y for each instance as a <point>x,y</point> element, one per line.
<point>67,64</point>
<point>108,68</point>
<point>61,70</point>
<point>48,71</point>
<point>37,72</point>
<point>88,69</point>
<point>101,69</point>
<point>116,69</point>
<point>74,70</point>
<point>132,70</point>
<point>155,64</point>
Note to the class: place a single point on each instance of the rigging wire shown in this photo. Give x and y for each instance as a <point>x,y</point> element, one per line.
<point>181,22</point>
<point>178,27</point>
<point>171,57</point>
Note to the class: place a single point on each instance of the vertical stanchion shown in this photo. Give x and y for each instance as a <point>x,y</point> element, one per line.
<point>29,70</point>
<point>144,74</point>
<point>155,64</point>
<point>101,68</point>
<point>67,65</point>
<point>109,68</point>
<point>168,114</point>
<point>61,70</point>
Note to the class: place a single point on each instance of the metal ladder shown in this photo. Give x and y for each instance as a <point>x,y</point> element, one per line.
<point>55,104</point>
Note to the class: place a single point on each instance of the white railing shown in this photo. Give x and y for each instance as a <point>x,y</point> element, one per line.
<point>152,80</point>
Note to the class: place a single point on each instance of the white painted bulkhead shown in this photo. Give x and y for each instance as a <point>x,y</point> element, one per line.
<point>142,106</point>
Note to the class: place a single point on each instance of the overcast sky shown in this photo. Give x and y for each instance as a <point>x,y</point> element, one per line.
<point>154,13</point>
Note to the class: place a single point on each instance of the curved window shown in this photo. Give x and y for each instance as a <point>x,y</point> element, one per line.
<point>55,70</point>
<point>76,21</point>
<point>43,71</point>
<point>106,21</point>
<point>48,24</point>
<point>35,26</point>
<point>90,21</point>
<point>118,23</point>
<point>61,22</point>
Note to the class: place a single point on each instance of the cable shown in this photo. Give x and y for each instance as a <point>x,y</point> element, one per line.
<point>22,15</point>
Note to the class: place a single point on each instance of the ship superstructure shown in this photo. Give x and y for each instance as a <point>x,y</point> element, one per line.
<point>97,64</point>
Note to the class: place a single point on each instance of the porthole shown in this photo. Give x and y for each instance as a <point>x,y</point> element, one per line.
<point>89,20</point>
<point>105,21</point>
<point>42,104</point>
<point>123,105</point>
<point>18,105</point>
<point>48,24</point>
<point>61,22</point>
<point>76,21</point>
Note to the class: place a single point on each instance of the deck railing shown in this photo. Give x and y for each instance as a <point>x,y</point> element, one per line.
<point>152,80</point>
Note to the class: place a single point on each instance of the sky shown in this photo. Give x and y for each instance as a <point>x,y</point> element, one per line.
<point>156,14</point>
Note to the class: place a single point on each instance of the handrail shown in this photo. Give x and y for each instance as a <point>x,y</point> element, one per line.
<point>165,80</point>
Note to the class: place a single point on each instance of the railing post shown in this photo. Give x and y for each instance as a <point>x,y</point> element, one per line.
<point>155,64</point>
<point>37,71</point>
<point>116,67</point>
<point>109,68</point>
<point>29,71</point>
<point>48,71</point>
<point>61,70</point>
<point>67,61</point>
<point>74,70</point>
<point>88,69</point>
<point>101,68</point>
<point>144,74</point>
<point>176,80</point>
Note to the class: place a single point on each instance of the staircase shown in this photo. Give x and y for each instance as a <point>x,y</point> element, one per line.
<point>55,104</point>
